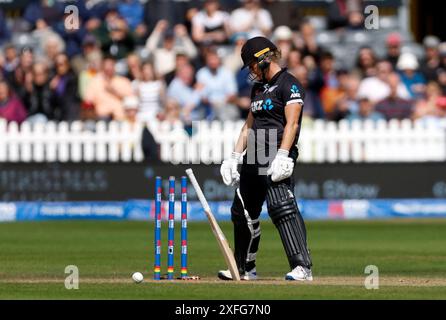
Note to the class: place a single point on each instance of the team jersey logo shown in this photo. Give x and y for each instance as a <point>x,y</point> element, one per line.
<point>268,105</point>
<point>295,92</point>
<point>262,105</point>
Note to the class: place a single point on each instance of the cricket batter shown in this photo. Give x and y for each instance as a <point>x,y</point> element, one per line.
<point>269,137</point>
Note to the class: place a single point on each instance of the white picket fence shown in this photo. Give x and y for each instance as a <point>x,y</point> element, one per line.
<point>320,141</point>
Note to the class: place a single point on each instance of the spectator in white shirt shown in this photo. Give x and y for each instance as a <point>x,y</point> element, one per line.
<point>164,44</point>
<point>210,25</point>
<point>251,18</point>
<point>219,89</point>
<point>377,88</point>
<point>150,91</point>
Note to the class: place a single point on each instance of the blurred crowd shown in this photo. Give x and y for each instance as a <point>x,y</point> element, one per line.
<point>118,65</point>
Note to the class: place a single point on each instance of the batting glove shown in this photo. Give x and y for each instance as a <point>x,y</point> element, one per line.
<point>228,170</point>
<point>281,167</point>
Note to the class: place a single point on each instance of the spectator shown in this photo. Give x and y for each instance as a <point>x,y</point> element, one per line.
<point>366,62</point>
<point>64,89</point>
<point>22,72</point>
<point>330,92</point>
<point>308,45</point>
<point>38,97</point>
<point>411,78</point>
<point>394,107</point>
<point>283,38</point>
<point>365,112</point>
<point>431,107</point>
<point>210,26</point>
<point>251,18</point>
<point>171,43</point>
<point>393,47</point>
<point>148,144</point>
<point>11,108</point>
<point>232,61</point>
<point>187,96</point>
<point>107,91</point>
<point>150,91</point>
<point>219,89</point>
<point>89,45</point>
<point>11,60</point>
<point>181,59</point>
<point>313,106</point>
<point>120,41</point>
<point>294,59</point>
<point>431,63</point>
<point>377,88</point>
<point>172,113</point>
<point>93,67</point>
<point>50,44</point>
<point>134,67</point>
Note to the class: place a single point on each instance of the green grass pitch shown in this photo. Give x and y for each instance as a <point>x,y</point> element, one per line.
<point>410,255</point>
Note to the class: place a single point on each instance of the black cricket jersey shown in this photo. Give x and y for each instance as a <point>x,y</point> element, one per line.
<point>268,102</point>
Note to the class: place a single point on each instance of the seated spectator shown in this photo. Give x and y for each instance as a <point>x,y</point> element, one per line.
<point>294,59</point>
<point>394,107</point>
<point>187,96</point>
<point>331,91</point>
<point>11,60</point>
<point>251,18</point>
<point>431,62</point>
<point>22,72</point>
<point>181,59</point>
<point>283,38</point>
<point>93,67</point>
<point>365,112</point>
<point>410,77</point>
<point>107,91</point>
<point>377,88</point>
<point>134,67</point>
<point>89,45</point>
<point>313,106</point>
<point>432,106</point>
<point>39,96</point>
<point>119,42</point>
<point>308,44</point>
<point>171,42</point>
<point>11,108</point>
<point>393,47</point>
<point>232,61</point>
<point>150,91</point>
<point>172,113</point>
<point>64,89</point>
<point>366,62</point>
<point>210,26</point>
<point>219,91</point>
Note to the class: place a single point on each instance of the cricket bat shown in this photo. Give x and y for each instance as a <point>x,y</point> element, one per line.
<point>221,239</point>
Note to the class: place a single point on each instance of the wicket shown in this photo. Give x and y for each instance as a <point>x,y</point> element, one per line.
<point>171,228</point>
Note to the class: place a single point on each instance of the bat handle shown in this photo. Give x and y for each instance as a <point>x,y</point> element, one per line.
<point>197,188</point>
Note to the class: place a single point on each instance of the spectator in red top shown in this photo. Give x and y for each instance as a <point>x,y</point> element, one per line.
<point>394,107</point>
<point>393,47</point>
<point>11,108</point>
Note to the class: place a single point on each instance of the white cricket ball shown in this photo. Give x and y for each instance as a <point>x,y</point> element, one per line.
<point>137,277</point>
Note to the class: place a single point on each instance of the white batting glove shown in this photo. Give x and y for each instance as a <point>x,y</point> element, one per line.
<point>228,170</point>
<point>281,167</point>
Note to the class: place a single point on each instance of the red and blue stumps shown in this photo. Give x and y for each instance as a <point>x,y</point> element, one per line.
<point>183,227</point>
<point>171,230</point>
<point>157,267</point>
